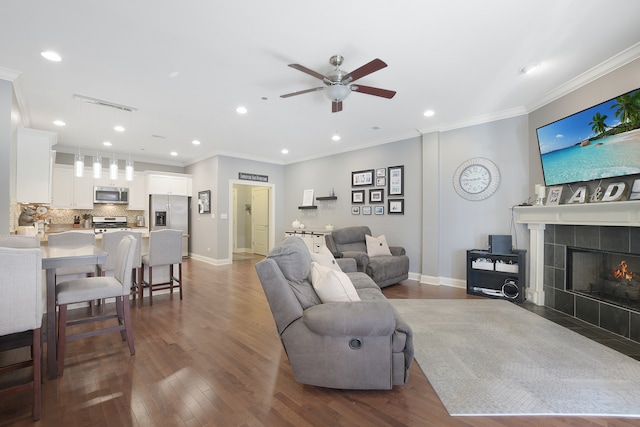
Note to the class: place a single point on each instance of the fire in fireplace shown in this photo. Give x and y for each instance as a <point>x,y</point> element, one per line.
<point>607,276</point>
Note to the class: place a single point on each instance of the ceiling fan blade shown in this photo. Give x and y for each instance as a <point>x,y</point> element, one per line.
<point>366,69</point>
<point>308,71</point>
<point>374,91</point>
<point>336,107</point>
<point>300,92</point>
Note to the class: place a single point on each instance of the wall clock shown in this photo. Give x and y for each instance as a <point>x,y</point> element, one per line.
<point>476,179</point>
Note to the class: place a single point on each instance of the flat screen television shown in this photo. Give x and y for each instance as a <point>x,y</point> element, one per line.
<point>600,142</point>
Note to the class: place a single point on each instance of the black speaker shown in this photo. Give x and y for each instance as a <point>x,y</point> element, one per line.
<point>500,244</point>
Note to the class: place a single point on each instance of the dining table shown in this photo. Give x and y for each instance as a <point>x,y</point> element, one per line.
<point>54,257</point>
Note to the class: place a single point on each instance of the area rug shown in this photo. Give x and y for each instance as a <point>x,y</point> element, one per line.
<point>492,357</point>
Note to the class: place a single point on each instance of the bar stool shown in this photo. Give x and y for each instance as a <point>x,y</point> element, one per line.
<point>165,250</point>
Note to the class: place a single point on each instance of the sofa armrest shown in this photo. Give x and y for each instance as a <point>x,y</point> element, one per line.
<point>362,259</point>
<point>347,265</point>
<point>359,318</point>
<point>397,250</point>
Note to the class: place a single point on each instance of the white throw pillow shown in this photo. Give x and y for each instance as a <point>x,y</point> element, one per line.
<point>325,258</point>
<point>377,246</point>
<point>332,285</point>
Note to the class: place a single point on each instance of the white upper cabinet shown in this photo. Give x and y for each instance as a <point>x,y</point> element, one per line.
<point>138,200</point>
<point>174,184</point>
<point>34,163</point>
<point>70,192</point>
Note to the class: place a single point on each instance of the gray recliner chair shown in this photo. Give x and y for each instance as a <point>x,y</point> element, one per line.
<point>385,270</point>
<point>346,345</point>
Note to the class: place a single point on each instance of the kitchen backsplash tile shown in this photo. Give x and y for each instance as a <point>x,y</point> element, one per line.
<point>65,216</point>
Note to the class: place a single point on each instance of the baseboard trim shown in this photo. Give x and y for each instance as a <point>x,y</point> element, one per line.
<point>211,261</point>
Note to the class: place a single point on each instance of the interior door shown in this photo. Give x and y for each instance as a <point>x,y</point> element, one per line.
<point>260,220</point>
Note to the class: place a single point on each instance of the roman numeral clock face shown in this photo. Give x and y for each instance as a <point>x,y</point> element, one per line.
<point>476,179</point>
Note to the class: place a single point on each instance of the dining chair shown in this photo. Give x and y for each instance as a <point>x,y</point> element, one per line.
<point>73,238</point>
<point>21,310</point>
<point>165,251</point>
<point>110,242</point>
<point>97,288</point>
<point>18,241</point>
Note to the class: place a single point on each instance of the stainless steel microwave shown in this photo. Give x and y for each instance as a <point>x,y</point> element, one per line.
<point>112,195</point>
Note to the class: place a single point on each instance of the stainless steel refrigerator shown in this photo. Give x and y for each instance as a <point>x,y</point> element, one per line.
<point>171,212</point>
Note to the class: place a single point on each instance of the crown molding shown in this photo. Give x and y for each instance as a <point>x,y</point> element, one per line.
<point>621,59</point>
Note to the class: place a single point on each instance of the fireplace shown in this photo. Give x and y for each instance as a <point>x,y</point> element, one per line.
<point>612,227</point>
<point>607,276</point>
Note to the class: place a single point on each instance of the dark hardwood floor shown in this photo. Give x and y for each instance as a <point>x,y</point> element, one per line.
<point>214,359</point>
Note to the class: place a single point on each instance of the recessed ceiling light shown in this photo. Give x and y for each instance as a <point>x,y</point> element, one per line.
<point>336,137</point>
<point>285,151</point>
<point>173,153</point>
<point>51,56</point>
<point>195,142</point>
<point>118,128</point>
<point>107,144</point>
<point>429,113</point>
<point>59,123</point>
<point>241,110</point>
<point>528,69</point>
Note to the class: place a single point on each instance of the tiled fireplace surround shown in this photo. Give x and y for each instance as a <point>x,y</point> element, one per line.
<point>611,226</point>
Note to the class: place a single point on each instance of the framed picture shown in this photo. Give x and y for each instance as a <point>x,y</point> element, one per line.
<point>204,201</point>
<point>378,210</point>
<point>396,206</point>
<point>307,198</point>
<point>376,196</point>
<point>366,210</point>
<point>381,172</point>
<point>553,197</point>
<point>362,178</point>
<point>355,210</point>
<point>396,181</point>
<point>381,181</point>
<point>357,196</point>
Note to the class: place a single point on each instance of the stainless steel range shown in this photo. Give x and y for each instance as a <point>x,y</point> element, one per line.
<point>105,224</point>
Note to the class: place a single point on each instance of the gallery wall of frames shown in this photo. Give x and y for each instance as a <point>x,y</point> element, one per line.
<point>369,187</point>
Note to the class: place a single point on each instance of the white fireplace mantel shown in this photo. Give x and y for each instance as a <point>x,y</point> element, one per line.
<point>623,214</point>
<point>604,213</point>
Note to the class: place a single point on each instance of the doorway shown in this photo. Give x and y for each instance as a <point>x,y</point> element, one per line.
<point>252,219</point>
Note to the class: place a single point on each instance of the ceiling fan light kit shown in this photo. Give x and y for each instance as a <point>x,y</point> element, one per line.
<point>338,83</point>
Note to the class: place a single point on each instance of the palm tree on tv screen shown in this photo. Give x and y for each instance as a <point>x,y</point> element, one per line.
<point>597,124</point>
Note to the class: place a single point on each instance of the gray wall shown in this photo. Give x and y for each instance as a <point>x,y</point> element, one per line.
<point>615,83</point>
<point>210,233</point>
<point>464,224</point>
<point>6,155</point>
<point>334,172</point>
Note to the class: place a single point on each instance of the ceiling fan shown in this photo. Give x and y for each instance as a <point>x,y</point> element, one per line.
<point>338,84</point>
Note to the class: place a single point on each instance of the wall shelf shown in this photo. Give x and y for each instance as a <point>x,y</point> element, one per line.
<point>327,198</point>
<point>307,207</point>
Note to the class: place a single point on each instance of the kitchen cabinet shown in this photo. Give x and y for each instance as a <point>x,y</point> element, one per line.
<point>69,192</point>
<point>33,165</point>
<point>174,184</point>
<point>105,181</point>
<point>138,199</point>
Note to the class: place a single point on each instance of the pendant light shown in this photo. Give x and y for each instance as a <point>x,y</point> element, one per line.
<point>113,169</point>
<point>97,166</point>
<point>79,165</point>
<point>128,170</point>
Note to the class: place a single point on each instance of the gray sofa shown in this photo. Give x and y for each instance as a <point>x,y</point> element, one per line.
<point>386,270</point>
<point>346,345</point>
